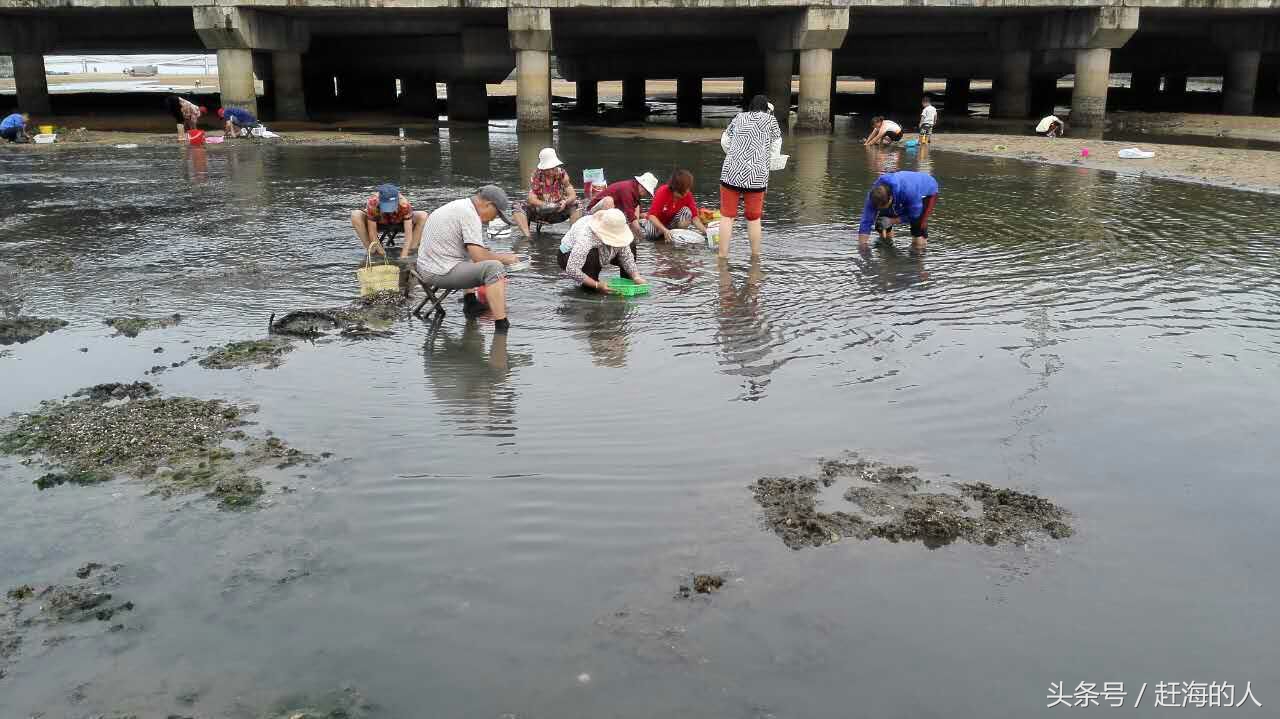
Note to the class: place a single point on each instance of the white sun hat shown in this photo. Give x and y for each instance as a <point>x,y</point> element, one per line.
<point>649,182</point>
<point>547,159</point>
<point>611,227</point>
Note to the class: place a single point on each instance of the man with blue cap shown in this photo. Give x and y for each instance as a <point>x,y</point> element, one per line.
<point>387,208</point>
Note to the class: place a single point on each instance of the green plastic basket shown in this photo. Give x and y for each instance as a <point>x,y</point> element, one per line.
<point>627,288</point>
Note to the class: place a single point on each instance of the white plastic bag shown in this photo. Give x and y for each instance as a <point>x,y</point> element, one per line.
<point>777,162</point>
<point>1133,153</point>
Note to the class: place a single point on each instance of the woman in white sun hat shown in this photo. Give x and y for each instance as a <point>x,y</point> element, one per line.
<point>595,241</point>
<point>1050,126</point>
<point>551,199</point>
<point>626,195</point>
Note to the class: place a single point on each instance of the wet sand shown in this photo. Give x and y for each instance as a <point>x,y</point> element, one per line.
<point>1255,170</point>
<point>1241,127</point>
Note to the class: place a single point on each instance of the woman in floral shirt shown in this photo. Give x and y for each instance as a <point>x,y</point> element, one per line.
<point>552,199</point>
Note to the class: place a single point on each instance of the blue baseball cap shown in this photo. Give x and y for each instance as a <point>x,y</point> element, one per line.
<point>388,198</point>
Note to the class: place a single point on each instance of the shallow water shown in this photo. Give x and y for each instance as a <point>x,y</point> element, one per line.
<point>505,516</point>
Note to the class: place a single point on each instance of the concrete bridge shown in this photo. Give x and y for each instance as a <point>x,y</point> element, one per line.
<point>351,53</point>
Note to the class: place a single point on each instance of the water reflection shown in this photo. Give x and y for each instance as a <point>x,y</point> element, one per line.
<point>195,165</point>
<point>605,325</point>
<point>474,386</point>
<point>745,335</point>
<point>891,269</point>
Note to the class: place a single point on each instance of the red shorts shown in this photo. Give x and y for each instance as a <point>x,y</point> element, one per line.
<point>753,201</point>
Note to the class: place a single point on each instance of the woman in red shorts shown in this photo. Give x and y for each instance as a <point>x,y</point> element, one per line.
<point>751,139</point>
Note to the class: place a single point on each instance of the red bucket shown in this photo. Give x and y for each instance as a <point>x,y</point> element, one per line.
<point>195,137</point>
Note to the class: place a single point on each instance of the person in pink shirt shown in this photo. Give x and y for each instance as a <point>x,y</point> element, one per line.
<point>673,208</point>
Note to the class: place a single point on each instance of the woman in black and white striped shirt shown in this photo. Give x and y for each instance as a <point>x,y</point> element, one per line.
<point>748,143</point>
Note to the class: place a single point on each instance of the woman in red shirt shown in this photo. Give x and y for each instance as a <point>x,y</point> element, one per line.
<point>673,208</point>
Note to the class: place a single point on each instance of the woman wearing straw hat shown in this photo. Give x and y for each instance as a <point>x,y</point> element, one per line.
<point>600,239</point>
<point>750,140</point>
<point>551,199</point>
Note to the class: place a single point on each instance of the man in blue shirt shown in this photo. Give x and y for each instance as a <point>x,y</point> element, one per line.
<point>904,197</point>
<point>14,127</point>
<point>236,121</point>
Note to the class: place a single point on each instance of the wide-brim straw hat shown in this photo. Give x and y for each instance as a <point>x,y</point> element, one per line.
<point>611,227</point>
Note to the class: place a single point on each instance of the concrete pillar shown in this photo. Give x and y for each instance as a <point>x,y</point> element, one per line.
<point>956,101</point>
<point>588,96</point>
<point>633,99</point>
<point>530,38</point>
<point>753,84</point>
<point>468,102</point>
<point>533,89</point>
<point>778,65</point>
<point>689,100</point>
<point>235,79</point>
<point>1175,86</point>
<point>1089,98</point>
<point>814,110</point>
<point>899,96</point>
<point>1144,85</point>
<point>1013,85</point>
<point>1044,94</point>
<point>290,97</point>
<point>33,87</point>
<point>418,96</point>
<point>1240,81</point>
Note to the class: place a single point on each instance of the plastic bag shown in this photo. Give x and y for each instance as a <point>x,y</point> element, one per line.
<point>1133,153</point>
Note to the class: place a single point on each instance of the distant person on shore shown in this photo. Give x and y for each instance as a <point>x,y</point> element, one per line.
<point>750,140</point>
<point>185,114</point>
<point>595,241</point>
<point>673,208</point>
<point>453,254</point>
<point>551,198</point>
<point>928,118</point>
<point>1050,126</point>
<point>626,195</point>
<point>14,127</point>
<point>385,209</point>
<point>903,197</point>
<point>883,132</point>
<point>236,122</point>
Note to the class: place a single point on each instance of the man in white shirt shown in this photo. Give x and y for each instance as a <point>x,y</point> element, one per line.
<point>928,118</point>
<point>453,254</point>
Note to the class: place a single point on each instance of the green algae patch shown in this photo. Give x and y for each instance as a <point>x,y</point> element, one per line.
<point>268,354</point>
<point>134,326</point>
<point>18,330</point>
<point>180,445</point>
<point>891,502</point>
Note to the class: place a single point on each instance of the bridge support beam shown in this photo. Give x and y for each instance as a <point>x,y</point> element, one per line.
<point>236,80</point>
<point>418,95</point>
<point>588,96</point>
<point>32,86</point>
<point>530,30</point>
<point>778,67</point>
<point>1013,81</point>
<point>27,39</point>
<point>689,99</point>
<point>286,82</point>
<point>1092,34</point>
<point>633,98</point>
<point>468,101</point>
<point>956,101</point>
<point>235,33</point>
<point>1240,82</point>
<point>813,32</point>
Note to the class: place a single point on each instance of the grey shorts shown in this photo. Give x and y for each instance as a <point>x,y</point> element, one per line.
<point>926,129</point>
<point>466,275</point>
